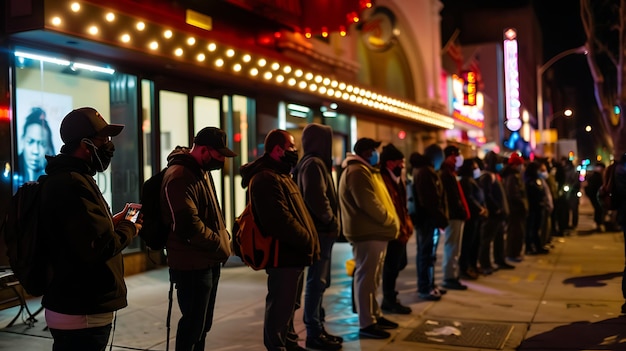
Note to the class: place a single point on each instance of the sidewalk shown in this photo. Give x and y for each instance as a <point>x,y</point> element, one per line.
<point>569,299</point>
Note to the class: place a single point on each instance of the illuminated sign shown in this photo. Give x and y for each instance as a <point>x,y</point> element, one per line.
<point>511,81</point>
<point>469,88</point>
<point>462,110</point>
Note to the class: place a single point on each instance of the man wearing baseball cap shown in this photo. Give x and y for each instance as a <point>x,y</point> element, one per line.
<point>198,242</point>
<point>87,284</point>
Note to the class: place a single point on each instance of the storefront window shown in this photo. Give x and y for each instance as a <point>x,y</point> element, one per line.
<point>47,87</point>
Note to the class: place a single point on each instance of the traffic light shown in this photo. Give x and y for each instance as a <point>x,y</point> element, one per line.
<point>469,88</point>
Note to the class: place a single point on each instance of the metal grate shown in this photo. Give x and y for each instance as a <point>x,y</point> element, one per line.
<point>457,333</point>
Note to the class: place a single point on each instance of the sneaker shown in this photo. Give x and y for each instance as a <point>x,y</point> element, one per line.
<point>504,265</point>
<point>335,338</point>
<point>434,295</point>
<point>453,284</point>
<point>395,307</point>
<point>322,343</point>
<point>373,332</point>
<point>384,323</point>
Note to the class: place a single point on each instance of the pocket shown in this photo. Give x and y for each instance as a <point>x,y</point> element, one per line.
<point>225,247</point>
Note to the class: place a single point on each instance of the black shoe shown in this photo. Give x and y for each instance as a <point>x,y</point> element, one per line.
<point>322,343</point>
<point>453,284</point>
<point>624,308</point>
<point>373,332</point>
<point>434,295</point>
<point>504,265</point>
<point>335,338</point>
<point>294,347</point>
<point>395,307</point>
<point>384,323</point>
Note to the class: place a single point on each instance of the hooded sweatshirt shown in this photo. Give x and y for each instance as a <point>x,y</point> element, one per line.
<point>367,211</point>
<point>315,181</point>
<point>280,212</point>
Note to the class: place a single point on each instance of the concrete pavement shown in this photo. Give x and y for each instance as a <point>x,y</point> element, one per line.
<point>569,299</point>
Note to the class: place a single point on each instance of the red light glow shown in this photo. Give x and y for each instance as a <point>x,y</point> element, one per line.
<point>237,137</point>
<point>401,135</point>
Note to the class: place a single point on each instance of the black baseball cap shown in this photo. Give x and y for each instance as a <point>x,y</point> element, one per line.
<point>365,144</point>
<point>215,138</point>
<point>86,122</point>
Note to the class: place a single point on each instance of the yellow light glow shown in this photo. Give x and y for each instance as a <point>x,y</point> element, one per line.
<point>287,69</point>
<point>219,62</point>
<point>308,76</point>
<point>153,45</point>
<point>349,88</point>
<point>110,17</point>
<point>56,21</point>
<point>267,75</point>
<point>230,53</point>
<point>275,66</point>
<point>254,72</point>
<point>291,81</point>
<point>345,96</point>
<point>302,85</point>
<point>201,57</point>
<point>318,79</point>
<point>75,7</point>
<point>237,67</point>
<point>178,52</point>
<point>334,84</point>
<point>262,62</point>
<point>322,90</point>
<point>326,81</point>
<point>299,73</point>
<point>313,87</point>
<point>247,58</point>
<point>191,41</point>
<point>212,47</point>
<point>168,34</point>
<point>356,90</point>
<point>280,78</point>
<point>140,26</point>
<point>330,92</point>
<point>125,38</point>
<point>337,94</point>
<point>342,86</point>
<point>93,30</point>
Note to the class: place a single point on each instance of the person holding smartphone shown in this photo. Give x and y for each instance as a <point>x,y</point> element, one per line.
<point>87,285</point>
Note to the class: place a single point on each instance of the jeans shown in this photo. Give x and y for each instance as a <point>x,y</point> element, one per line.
<point>283,286</point>
<point>470,243</point>
<point>493,232</point>
<point>395,261</point>
<point>425,258</point>
<point>452,249</point>
<point>317,281</point>
<point>88,339</point>
<point>196,291</point>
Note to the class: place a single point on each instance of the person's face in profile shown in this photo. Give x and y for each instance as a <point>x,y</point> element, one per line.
<point>35,146</point>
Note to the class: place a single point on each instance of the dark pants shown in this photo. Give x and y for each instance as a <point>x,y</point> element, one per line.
<point>88,339</point>
<point>598,211</point>
<point>493,232</point>
<point>283,288</point>
<point>317,281</point>
<point>196,292</point>
<point>470,244</point>
<point>624,273</point>
<point>533,240</point>
<point>515,234</point>
<point>395,261</point>
<point>425,259</point>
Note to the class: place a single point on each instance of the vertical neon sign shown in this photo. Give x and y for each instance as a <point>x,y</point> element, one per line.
<point>511,81</point>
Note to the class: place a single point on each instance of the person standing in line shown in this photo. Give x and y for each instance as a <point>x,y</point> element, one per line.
<point>549,187</point>
<point>498,207</point>
<point>468,261</point>
<point>515,189</point>
<point>314,179</point>
<point>593,184</point>
<point>36,143</point>
<point>619,177</point>
<point>458,213</point>
<point>431,214</point>
<point>370,221</point>
<point>198,242</point>
<point>87,285</point>
<point>281,213</point>
<point>537,204</point>
<point>392,164</point>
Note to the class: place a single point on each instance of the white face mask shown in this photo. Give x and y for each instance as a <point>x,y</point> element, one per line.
<point>543,175</point>
<point>459,161</point>
<point>476,173</point>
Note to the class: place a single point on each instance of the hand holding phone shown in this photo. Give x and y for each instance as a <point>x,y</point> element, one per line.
<point>132,213</point>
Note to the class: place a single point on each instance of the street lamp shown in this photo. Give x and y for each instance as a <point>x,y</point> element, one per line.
<point>567,113</point>
<point>540,71</point>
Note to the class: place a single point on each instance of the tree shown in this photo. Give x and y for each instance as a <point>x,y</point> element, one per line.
<point>604,22</point>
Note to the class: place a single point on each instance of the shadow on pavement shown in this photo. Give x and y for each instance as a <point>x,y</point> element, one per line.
<point>608,334</point>
<point>592,280</point>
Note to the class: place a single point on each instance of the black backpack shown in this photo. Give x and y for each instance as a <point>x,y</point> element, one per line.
<point>153,231</point>
<point>26,244</point>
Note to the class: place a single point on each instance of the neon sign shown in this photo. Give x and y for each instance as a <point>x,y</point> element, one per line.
<point>511,81</point>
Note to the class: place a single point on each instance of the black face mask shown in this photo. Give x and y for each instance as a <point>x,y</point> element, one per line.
<point>213,165</point>
<point>290,158</point>
<point>103,155</point>
<point>397,171</point>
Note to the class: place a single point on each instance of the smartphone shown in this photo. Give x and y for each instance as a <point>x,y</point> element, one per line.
<point>133,212</point>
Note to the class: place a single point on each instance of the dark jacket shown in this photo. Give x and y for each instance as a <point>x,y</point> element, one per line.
<point>515,190</point>
<point>454,198</point>
<point>86,248</point>
<point>619,177</point>
<point>312,174</point>
<point>495,197</point>
<point>280,211</point>
<point>474,195</point>
<point>430,201</point>
<point>198,238</point>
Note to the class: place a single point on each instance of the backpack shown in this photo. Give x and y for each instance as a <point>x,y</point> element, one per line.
<point>153,231</point>
<point>26,244</point>
<point>410,197</point>
<point>249,244</point>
